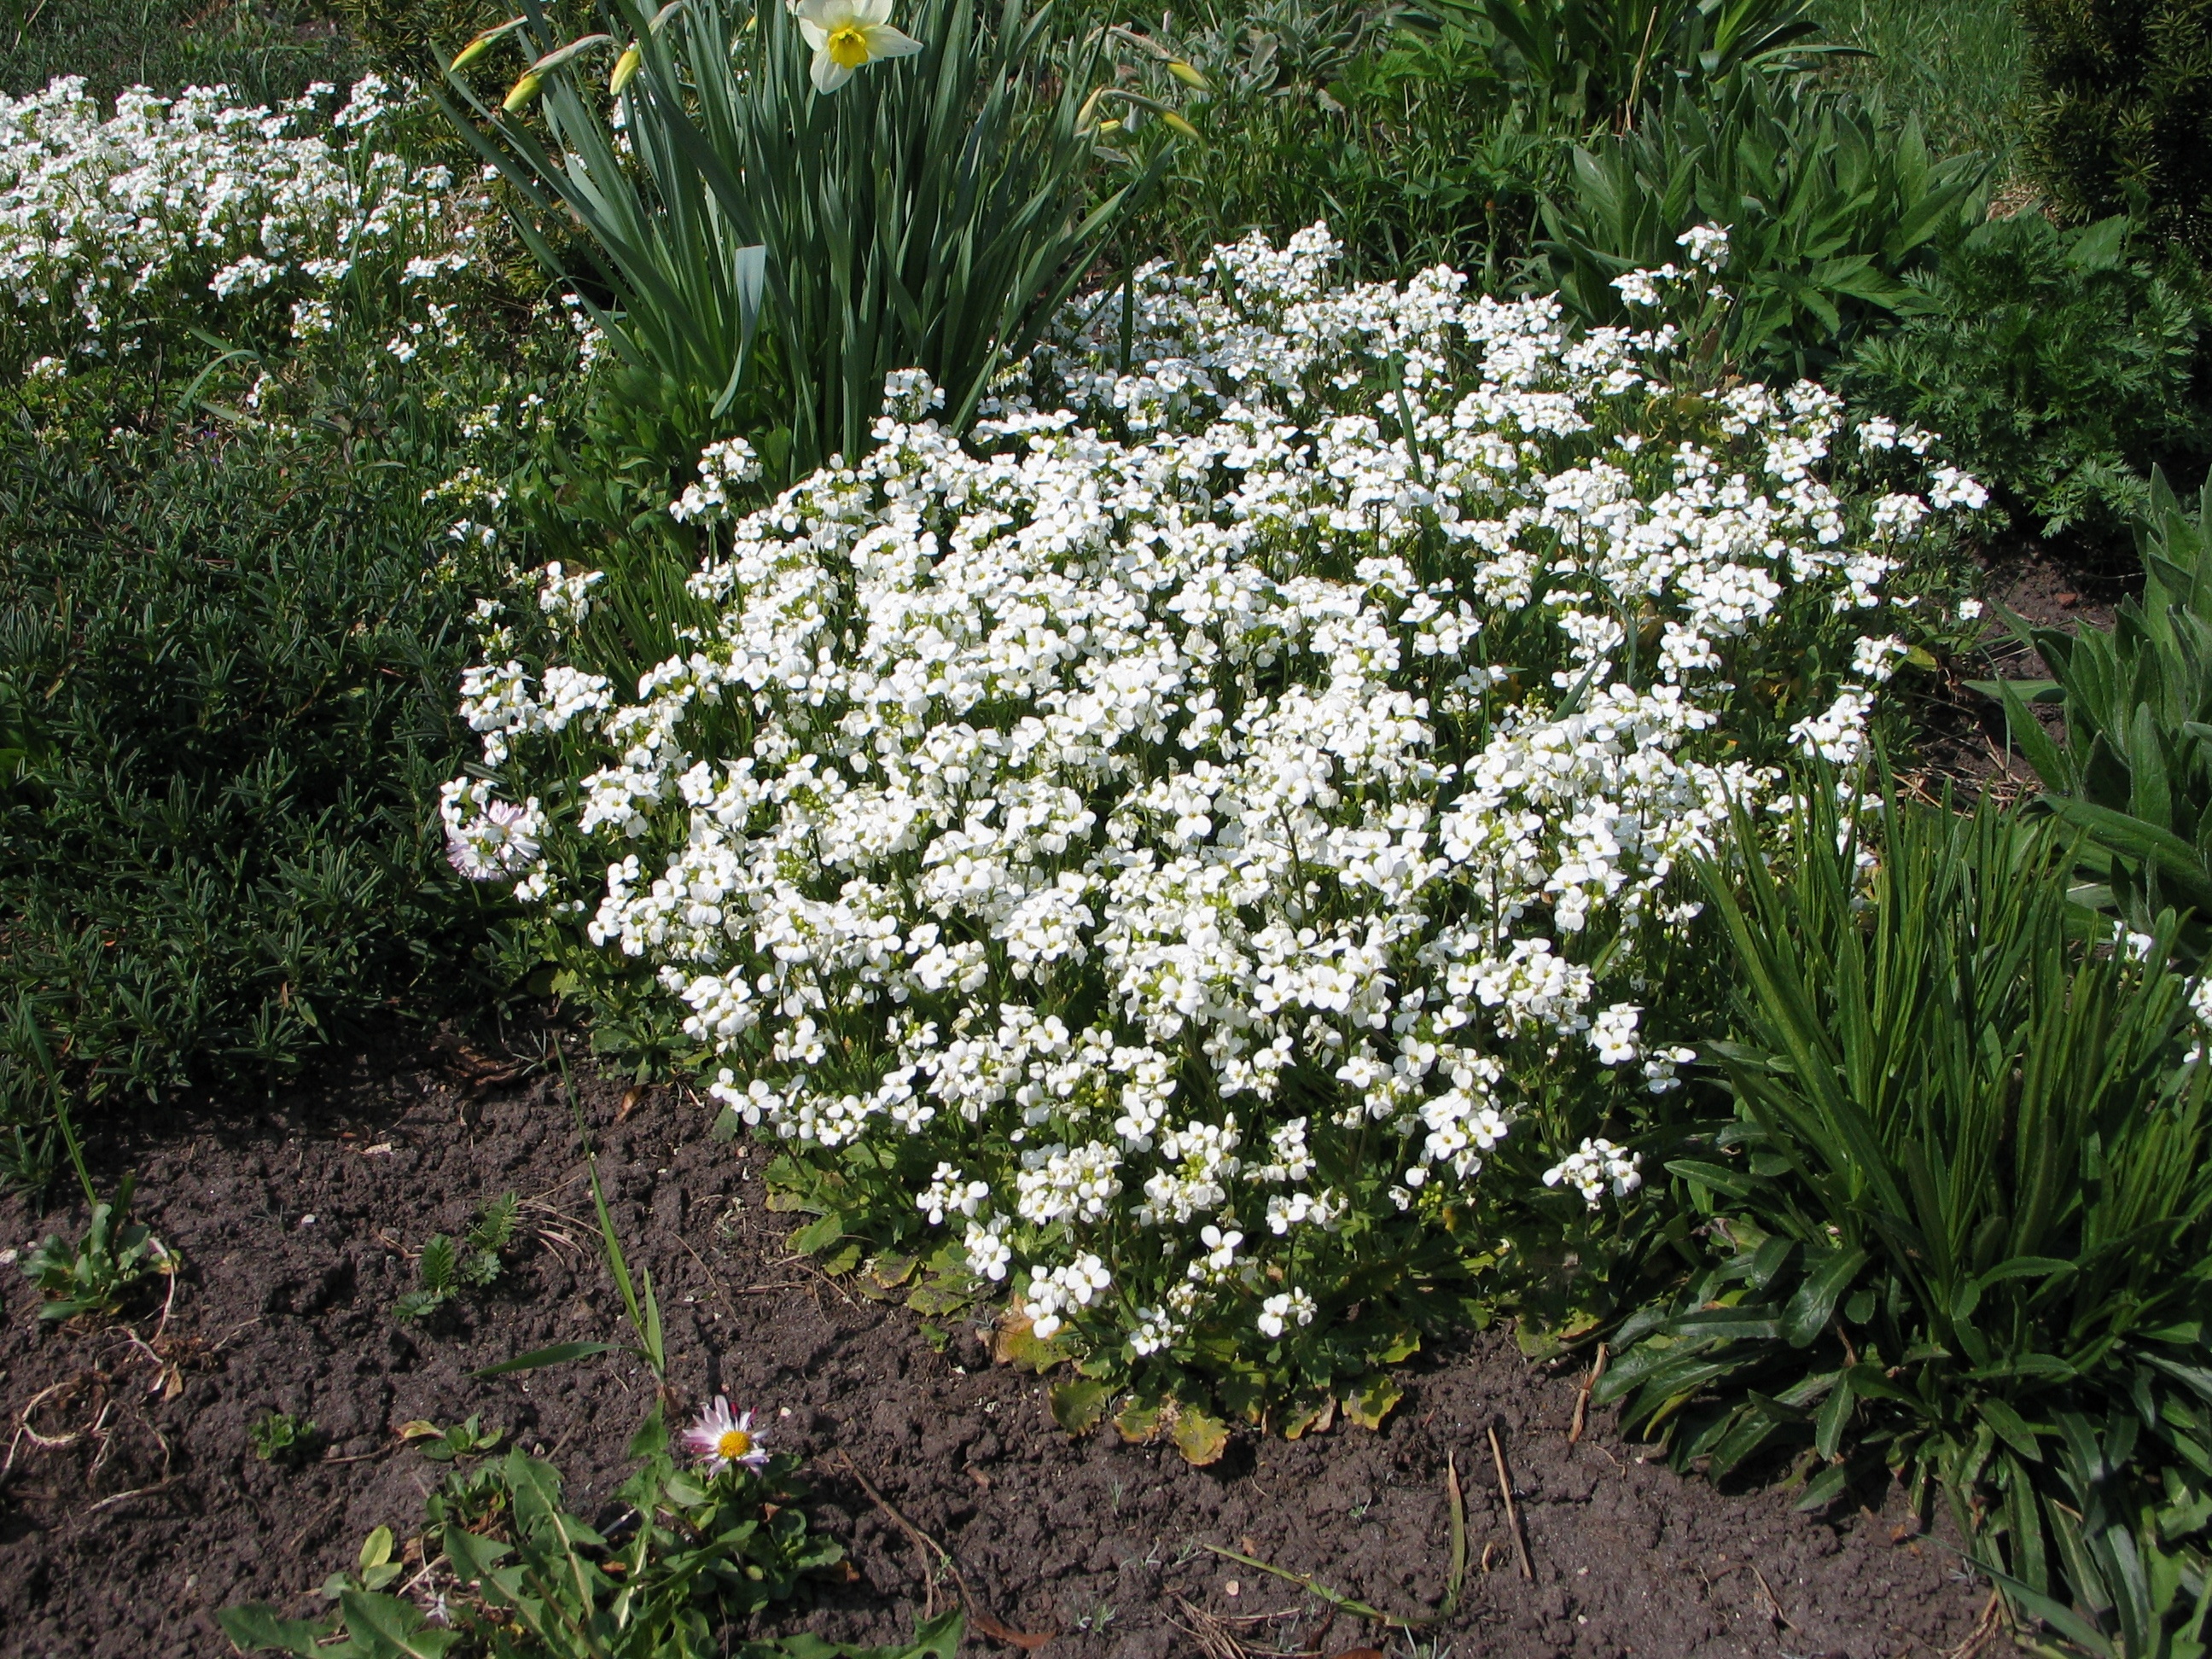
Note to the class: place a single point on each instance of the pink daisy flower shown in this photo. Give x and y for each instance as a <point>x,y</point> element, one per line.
<point>722,1437</point>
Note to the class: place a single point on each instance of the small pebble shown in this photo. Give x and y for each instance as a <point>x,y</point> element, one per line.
<point>306,1221</point>
<point>1232,1587</point>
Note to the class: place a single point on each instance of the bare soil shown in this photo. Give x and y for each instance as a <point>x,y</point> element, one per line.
<point>131,1507</point>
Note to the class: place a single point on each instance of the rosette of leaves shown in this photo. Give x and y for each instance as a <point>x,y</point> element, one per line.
<point>102,1272</point>
<point>448,1267</point>
<point>1965,1196</point>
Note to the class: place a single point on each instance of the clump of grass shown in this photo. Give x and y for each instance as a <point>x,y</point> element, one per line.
<point>267,49</point>
<point>1955,63</point>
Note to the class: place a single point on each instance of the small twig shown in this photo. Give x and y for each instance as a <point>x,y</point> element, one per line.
<point>1581,1400</point>
<point>1512,1510</point>
<point>138,1492</point>
<point>1773,1605</point>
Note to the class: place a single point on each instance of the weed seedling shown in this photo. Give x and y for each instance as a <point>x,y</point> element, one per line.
<point>97,1274</point>
<point>468,1439</point>
<point>447,1268</point>
<point>280,1438</point>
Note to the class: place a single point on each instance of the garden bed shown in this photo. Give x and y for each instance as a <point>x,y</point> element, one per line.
<point>294,1224</point>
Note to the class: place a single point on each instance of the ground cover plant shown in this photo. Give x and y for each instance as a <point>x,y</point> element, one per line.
<point>1157,873</point>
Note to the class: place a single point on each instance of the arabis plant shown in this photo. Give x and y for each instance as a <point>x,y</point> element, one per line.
<point>1185,861</point>
<point>195,204</point>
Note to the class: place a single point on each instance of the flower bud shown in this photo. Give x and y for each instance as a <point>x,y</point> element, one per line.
<point>1176,124</point>
<point>522,92</point>
<point>625,67</point>
<point>1188,75</point>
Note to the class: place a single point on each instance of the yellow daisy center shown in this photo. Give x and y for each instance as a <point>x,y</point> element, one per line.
<point>848,47</point>
<point>734,1445</point>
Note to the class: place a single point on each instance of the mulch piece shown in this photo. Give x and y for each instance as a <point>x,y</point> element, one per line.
<point>132,1506</point>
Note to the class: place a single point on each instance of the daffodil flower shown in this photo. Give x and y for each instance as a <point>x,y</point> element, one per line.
<point>847,34</point>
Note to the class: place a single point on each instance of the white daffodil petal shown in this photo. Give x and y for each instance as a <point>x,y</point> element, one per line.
<point>885,42</point>
<point>869,13</point>
<point>828,74</point>
<point>816,36</point>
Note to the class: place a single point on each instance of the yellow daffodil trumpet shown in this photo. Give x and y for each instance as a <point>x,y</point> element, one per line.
<point>848,35</point>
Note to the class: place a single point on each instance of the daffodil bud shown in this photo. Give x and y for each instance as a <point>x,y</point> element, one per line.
<point>522,92</point>
<point>482,44</point>
<point>625,67</point>
<point>1176,124</point>
<point>1189,76</point>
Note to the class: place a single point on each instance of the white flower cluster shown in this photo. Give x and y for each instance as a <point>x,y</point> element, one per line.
<point>1598,1165</point>
<point>98,212</point>
<point>1211,808</point>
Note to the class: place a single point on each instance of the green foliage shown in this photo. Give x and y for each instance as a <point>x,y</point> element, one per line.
<point>226,704</point>
<point>2120,109</point>
<point>266,49</point>
<point>445,1269</point>
<point>1966,1191</point>
<point>1595,62</point>
<point>1395,128</point>
<point>2133,1545</point>
<point>468,1439</point>
<point>2134,776</point>
<point>690,1561</point>
<point>103,1271</point>
<point>1828,211</point>
<point>931,213</point>
<point>416,38</point>
<point>280,1438</point>
<point>2060,368</point>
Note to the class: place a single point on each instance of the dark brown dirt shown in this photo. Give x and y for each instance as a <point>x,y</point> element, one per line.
<point>1960,733</point>
<point>132,1507</point>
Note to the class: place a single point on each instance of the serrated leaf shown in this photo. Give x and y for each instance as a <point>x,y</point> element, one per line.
<point>1017,1344</point>
<point>1199,1436</point>
<point>936,1297</point>
<point>1372,1400</point>
<point>1138,1422</point>
<point>256,1627</point>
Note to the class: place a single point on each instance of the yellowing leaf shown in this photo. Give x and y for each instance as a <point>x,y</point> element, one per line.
<point>1199,1437</point>
<point>1371,1401</point>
